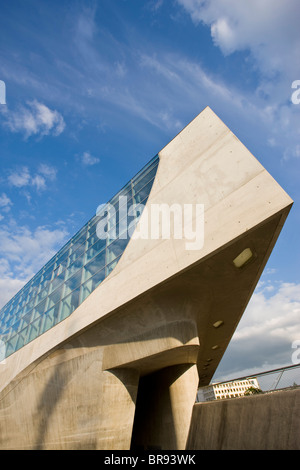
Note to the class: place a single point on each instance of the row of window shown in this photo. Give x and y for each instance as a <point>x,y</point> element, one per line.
<point>71,256</point>
<point>240,383</point>
<point>30,328</point>
<point>76,270</point>
<point>231,390</point>
<point>229,396</point>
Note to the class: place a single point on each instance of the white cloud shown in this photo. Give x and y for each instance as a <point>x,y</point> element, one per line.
<point>192,83</point>
<point>39,182</point>
<point>22,177</point>
<point>264,337</point>
<point>169,121</point>
<point>155,5</point>
<point>35,119</point>
<point>269,31</point>
<point>277,315</point>
<point>268,28</point>
<point>5,203</point>
<point>47,171</point>
<point>8,288</point>
<point>88,159</point>
<point>86,27</point>
<point>23,252</point>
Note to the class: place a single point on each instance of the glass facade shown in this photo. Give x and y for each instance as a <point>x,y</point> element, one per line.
<point>78,268</point>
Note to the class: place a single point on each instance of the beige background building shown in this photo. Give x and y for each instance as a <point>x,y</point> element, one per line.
<point>232,389</point>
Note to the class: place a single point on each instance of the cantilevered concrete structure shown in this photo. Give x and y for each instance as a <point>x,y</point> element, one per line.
<point>122,369</point>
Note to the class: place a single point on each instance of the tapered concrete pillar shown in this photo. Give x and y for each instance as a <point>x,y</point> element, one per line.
<point>164,408</point>
<point>118,408</point>
<point>182,397</point>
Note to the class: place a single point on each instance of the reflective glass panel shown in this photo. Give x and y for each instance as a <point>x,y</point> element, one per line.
<point>77,269</point>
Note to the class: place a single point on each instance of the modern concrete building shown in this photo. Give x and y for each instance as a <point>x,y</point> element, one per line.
<point>232,389</point>
<point>106,346</point>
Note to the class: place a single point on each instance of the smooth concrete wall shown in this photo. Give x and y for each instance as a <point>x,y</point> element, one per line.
<point>63,404</point>
<point>83,396</point>
<point>260,422</point>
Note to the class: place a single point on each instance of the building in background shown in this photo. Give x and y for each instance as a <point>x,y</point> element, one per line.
<point>219,391</point>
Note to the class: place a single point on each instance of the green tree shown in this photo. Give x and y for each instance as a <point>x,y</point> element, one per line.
<point>253,391</point>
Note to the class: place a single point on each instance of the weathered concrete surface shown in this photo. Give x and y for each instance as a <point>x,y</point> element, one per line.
<point>260,422</point>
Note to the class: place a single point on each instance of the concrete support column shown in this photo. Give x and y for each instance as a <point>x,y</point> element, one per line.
<point>164,408</point>
<point>182,398</point>
<point>118,401</point>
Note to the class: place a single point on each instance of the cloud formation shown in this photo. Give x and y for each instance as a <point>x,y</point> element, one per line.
<point>88,159</point>
<point>268,31</point>
<point>35,119</point>
<point>263,340</point>
<point>5,203</point>
<point>21,177</point>
<point>23,252</point>
<point>267,28</point>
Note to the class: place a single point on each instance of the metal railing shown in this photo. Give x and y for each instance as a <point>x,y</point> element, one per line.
<point>276,379</point>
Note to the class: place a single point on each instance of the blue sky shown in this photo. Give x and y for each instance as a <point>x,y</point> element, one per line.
<point>94,89</point>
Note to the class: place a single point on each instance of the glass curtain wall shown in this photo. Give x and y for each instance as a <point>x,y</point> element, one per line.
<point>77,269</point>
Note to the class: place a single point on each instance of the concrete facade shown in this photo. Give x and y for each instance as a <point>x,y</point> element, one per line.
<point>269,421</point>
<point>149,325</point>
<point>233,389</point>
